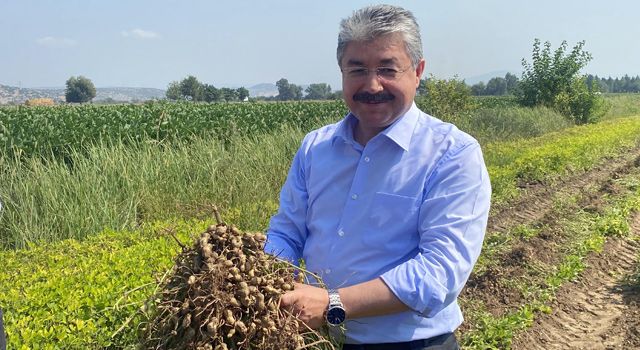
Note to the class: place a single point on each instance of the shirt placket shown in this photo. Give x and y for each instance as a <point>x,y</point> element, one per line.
<point>357,193</point>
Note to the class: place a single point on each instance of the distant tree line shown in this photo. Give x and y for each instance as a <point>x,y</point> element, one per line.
<point>190,89</point>
<point>496,86</point>
<point>293,92</point>
<point>509,84</point>
<point>617,85</point>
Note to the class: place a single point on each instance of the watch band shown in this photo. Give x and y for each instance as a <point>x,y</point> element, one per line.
<point>334,298</point>
<point>335,314</point>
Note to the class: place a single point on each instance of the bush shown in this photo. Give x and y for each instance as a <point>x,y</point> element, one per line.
<point>581,103</point>
<point>554,81</point>
<point>446,99</point>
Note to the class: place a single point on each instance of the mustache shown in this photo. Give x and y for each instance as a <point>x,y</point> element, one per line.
<point>367,97</point>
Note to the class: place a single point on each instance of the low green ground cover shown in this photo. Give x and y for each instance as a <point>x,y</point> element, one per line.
<point>80,295</point>
<point>556,154</point>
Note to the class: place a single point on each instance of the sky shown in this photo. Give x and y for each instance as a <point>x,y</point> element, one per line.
<point>143,43</point>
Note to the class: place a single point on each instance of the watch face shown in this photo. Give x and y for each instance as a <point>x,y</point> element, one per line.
<point>336,315</point>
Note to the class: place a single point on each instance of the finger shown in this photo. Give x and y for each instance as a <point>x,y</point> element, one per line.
<point>288,301</point>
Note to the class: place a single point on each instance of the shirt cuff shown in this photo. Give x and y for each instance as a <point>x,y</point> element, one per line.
<point>423,295</point>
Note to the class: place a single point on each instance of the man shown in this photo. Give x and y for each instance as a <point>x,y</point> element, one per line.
<point>388,206</point>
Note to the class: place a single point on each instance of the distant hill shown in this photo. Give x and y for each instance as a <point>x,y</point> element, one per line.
<point>15,95</point>
<point>263,90</point>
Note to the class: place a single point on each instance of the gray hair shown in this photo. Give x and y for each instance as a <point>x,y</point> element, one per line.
<point>374,21</point>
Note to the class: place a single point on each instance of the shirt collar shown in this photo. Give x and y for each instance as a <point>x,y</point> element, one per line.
<point>400,131</point>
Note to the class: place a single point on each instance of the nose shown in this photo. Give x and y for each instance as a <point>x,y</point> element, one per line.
<point>371,83</point>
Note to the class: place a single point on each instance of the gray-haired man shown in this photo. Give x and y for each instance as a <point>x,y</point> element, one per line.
<point>389,206</point>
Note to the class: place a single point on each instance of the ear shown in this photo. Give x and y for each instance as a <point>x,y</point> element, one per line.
<point>419,71</point>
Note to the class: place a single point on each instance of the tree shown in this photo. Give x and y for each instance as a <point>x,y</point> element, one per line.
<point>496,86</point>
<point>79,90</point>
<point>319,91</point>
<point>242,93</point>
<point>287,92</point>
<point>210,93</point>
<point>512,83</point>
<point>229,94</point>
<point>477,89</point>
<point>191,89</point>
<point>173,91</point>
<point>553,80</point>
<point>336,95</point>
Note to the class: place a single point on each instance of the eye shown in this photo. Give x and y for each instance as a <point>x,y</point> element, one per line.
<point>357,72</point>
<point>387,72</point>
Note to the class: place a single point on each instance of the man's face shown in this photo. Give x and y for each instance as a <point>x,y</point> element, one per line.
<point>393,96</point>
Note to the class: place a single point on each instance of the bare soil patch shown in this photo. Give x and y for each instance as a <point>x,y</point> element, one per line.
<point>494,288</point>
<point>599,311</point>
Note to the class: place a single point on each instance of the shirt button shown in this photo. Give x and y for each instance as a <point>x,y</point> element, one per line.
<point>327,271</point>
<point>340,233</point>
<point>354,196</point>
<point>367,159</point>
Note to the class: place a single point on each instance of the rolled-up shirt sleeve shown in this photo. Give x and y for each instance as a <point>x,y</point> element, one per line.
<point>452,223</point>
<point>287,229</point>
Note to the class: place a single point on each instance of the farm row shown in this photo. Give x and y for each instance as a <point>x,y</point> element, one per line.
<point>58,131</point>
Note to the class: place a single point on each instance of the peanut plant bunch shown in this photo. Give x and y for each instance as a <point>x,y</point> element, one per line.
<point>224,293</point>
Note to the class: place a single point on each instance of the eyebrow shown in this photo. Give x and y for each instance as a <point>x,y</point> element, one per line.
<point>386,61</point>
<point>353,62</point>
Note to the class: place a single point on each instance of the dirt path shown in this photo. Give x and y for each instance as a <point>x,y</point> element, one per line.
<point>492,287</point>
<point>599,311</point>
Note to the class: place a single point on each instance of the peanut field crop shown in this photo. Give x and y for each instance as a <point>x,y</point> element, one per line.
<point>57,130</point>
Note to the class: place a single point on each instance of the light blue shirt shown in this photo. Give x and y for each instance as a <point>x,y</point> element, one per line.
<point>410,207</point>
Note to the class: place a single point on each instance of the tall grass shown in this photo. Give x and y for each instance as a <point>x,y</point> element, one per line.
<point>622,105</point>
<point>511,123</point>
<point>118,185</point>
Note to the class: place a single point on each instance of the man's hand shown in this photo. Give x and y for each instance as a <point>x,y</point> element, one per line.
<point>308,303</point>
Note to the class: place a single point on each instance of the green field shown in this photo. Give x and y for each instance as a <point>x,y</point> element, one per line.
<point>89,192</point>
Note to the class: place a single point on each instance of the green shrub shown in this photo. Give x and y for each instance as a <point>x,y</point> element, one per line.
<point>553,80</point>
<point>447,99</point>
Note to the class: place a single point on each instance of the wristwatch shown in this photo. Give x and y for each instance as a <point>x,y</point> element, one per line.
<point>335,311</point>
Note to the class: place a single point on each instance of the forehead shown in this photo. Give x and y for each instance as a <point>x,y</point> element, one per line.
<point>386,49</point>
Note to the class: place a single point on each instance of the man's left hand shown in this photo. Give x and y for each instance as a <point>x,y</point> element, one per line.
<point>308,303</point>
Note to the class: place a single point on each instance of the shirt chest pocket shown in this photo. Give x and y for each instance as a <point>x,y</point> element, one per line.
<point>393,221</point>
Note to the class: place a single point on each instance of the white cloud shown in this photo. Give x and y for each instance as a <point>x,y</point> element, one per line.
<point>140,34</point>
<point>49,41</point>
